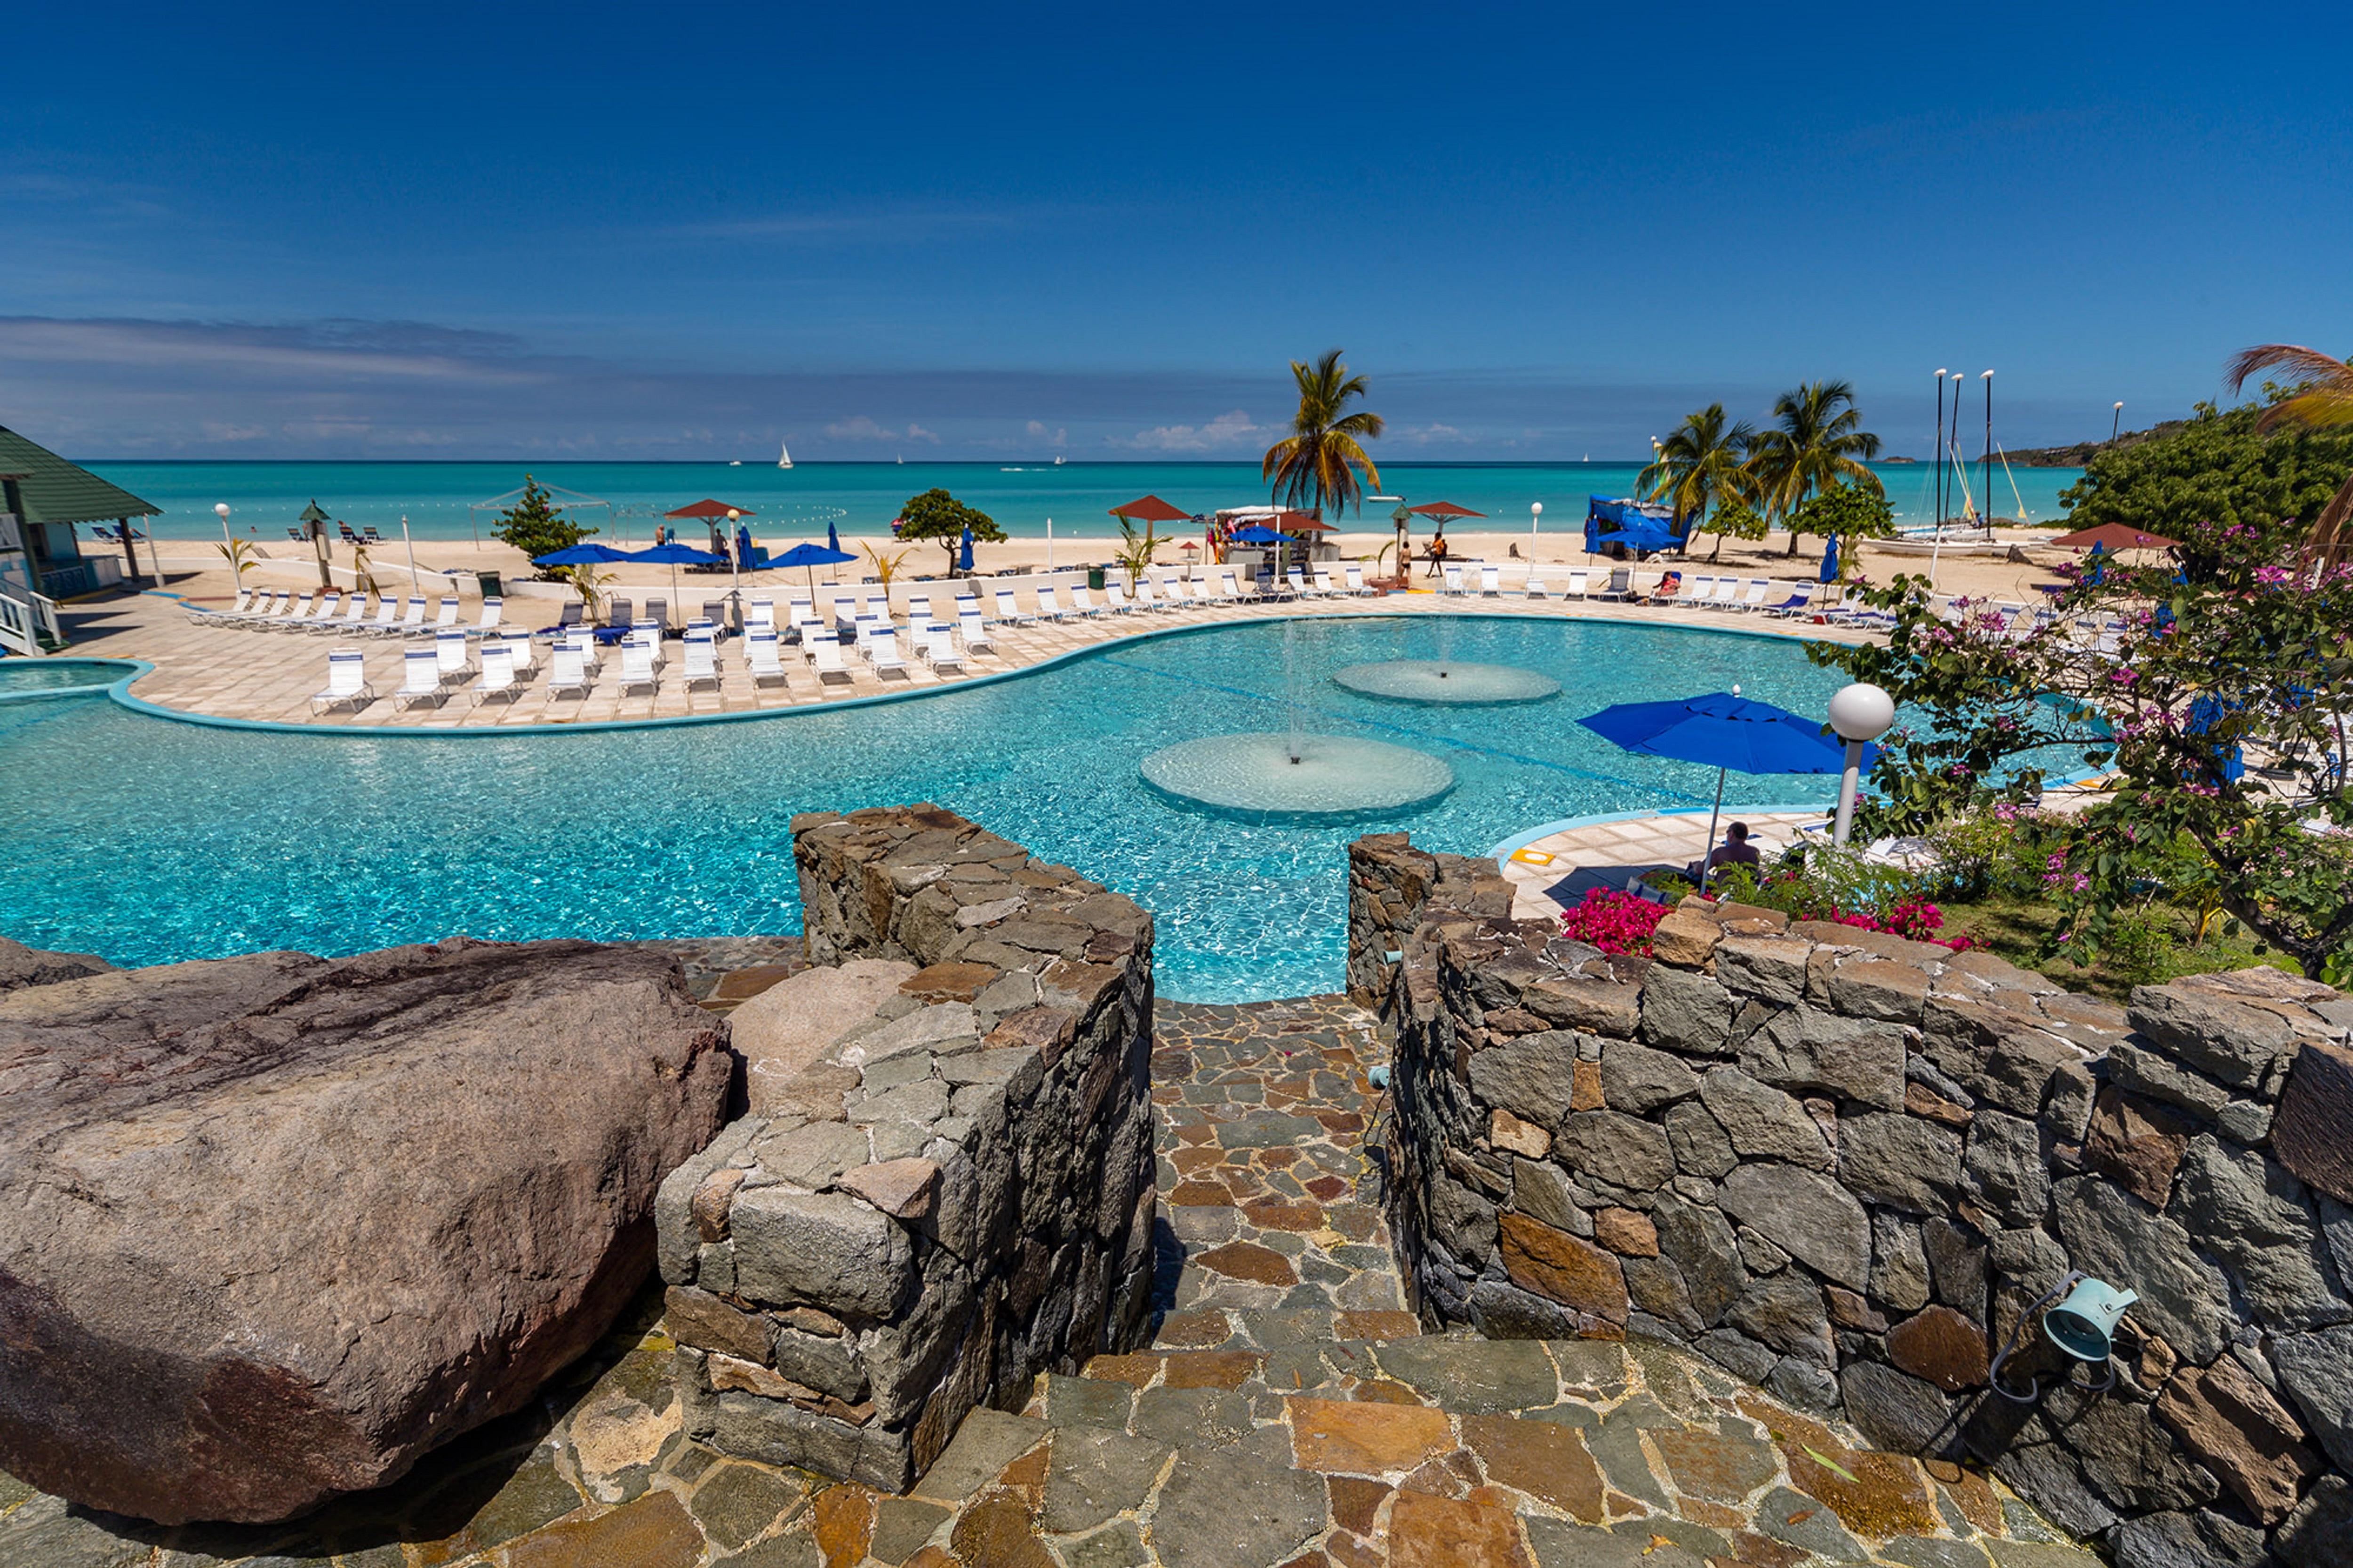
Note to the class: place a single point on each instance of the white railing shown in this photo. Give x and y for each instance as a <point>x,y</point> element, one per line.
<point>30,627</point>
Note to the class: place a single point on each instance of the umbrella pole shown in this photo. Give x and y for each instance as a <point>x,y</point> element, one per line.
<point>1707,870</point>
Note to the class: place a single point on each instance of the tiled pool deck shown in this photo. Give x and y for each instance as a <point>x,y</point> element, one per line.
<point>269,676</point>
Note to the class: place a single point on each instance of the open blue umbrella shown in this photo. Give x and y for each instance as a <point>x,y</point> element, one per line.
<point>582,555</point>
<point>812,556</point>
<point>1257,534</point>
<point>1728,730</point>
<point>672,555</point>
<point>964,550</point>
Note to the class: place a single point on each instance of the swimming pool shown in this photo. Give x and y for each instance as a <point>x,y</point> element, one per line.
<point>39,677</point>
<point>148,840</point>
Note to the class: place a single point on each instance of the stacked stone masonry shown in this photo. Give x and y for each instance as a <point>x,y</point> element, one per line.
<point>1845,1166</point>
<point>954,1192</point>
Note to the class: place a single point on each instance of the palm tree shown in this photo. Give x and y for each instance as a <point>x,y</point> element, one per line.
<point>2323,399</point>
<point>1318,463</point>
<point>1816,444</point>
<point>1701,462</point>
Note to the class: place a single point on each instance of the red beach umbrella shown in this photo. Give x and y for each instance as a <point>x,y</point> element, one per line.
<point>2113,537</point>
<point>1149,509</point>
<point>1443,510</point>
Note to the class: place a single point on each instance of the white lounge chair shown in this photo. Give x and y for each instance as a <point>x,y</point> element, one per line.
<point>584,643</point>
<point>1695,590</point>
<point>567,673</point>
<point>1115,598</point>
<point>1577,585</point>
<point>498,675</point>
<point>1451,581</point>
<point>347,682</point>
<point>882,651</point>
<point>1619,586</point>
<point>258,602</point>
<point>760,654</point>
<point>638,672</point>
<point>293,615</point>
<point>974,631</point>
<point>518,643</point>
<point>1753,597</point>
<point>1229,586</point>
<point>760,613</point>
<point>449,654</point>
<point>1491,582</point>
<point>1352,577</point>
<point>919,609</point>
<point>354,616</point>
<point>420,680</point>
<point>487,622</point>
<point>1049,605</point>
<point>198,615</point>
<point>935,645</point>
<point>825,652</point>
<point>1296,577</point>
<point>1324,587</point>
<point>412,619</point>
<point>1534,588</point>
<point>448,616</point>
<point>701,661</point>
<point>1084,603</point>
<point>1008,612</point>
<point>1173,594</point>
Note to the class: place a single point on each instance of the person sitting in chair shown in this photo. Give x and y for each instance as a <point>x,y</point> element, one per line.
<point>1735,850</point>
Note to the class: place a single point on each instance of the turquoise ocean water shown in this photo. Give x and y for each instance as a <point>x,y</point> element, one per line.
<point>795,503</point>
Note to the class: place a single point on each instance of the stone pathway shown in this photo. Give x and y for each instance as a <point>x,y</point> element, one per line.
<point>1289,1414</point>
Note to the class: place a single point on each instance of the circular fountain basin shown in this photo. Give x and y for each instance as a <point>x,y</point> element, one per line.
<point>1334,776</point>
<point>1446,680</point>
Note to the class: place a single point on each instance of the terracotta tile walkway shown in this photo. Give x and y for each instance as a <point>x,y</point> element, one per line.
<point>242,672</point>
<point>1289,1414</point>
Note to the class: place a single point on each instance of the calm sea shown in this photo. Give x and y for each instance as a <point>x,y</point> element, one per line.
<point>439,499</point>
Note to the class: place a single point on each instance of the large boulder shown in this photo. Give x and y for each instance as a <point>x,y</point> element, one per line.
<point>278,1225</point>
<point>21,966</point>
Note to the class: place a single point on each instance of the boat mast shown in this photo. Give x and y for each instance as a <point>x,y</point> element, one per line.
<point>1986,482</point>
<point>1937,441</point>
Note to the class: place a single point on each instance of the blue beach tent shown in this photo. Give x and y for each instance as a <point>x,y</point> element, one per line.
<point>1614,527</point>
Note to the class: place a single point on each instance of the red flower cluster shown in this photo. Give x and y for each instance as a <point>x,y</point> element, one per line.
<point>1915,919</point>
<point>1614,922</point>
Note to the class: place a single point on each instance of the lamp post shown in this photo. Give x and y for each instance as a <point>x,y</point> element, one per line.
<point>2116,424</point>
<point>1938,441</point>
<point>411,546</point>
<point>1860,714</point>
<point>734,569</point>
<point>1535,516</point>
<point>228,544</point>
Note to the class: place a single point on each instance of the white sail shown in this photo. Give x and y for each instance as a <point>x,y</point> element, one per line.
<point>784,455</point>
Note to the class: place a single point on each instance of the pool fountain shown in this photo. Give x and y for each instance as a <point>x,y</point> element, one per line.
<point>1296,774</point>
<point>1446,679</point>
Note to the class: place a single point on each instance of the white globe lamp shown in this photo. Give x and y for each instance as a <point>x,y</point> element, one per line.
<point>235,568</point>
<point>1860,714</point>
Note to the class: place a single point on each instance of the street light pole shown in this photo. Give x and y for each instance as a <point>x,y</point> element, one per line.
<point>411,546</point>
<point>1860,714</point>
<point>229,544</point>
<point>2116,424</point>
<point>1535,516</point>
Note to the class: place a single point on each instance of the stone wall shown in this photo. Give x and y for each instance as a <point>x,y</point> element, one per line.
<point>956,1192</point>
<point>1845,1166</point>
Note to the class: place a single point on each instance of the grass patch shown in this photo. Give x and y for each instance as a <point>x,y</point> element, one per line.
<point>2013,928</point>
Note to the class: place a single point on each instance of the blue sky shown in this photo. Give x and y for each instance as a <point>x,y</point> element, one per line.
<point>486,231</point>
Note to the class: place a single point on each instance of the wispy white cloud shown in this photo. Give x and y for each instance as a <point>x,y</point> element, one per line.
<point>1432,435</point>
<point>864,428</point>
<point>888,225</point>
<point>1227,432</point>
<point>1037,431</point>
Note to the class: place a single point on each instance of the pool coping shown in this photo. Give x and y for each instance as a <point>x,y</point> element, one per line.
<point>1504,851</point>
<point>120,692</point>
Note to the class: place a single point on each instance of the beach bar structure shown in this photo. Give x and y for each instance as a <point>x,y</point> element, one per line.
<point>1622,527</point>
<point>48,497</point>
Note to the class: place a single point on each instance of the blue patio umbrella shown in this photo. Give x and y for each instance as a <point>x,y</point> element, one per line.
<point>963,551</point>
<point>1257,534</point>
<point>812,556</point>
<point>672,555</point>
<point>582,555</point>
<point>1728,730</point>
<point>1830,559</point>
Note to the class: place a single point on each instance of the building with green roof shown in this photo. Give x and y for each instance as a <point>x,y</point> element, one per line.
<point>48,496</point>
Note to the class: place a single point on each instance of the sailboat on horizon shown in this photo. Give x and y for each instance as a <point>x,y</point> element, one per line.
<point>784,455</point>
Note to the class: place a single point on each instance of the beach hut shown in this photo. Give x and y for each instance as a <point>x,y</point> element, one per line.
<point>46,496</point>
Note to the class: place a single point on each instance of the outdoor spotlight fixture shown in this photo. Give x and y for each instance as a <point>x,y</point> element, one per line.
<point>229,544</point>
<point>1860,714</point>
<point>2082,1327</point>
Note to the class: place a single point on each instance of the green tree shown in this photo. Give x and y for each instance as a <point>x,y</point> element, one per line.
<point>2218,704</point>
<point>2221,467</point>
<point>1136,550</point>
<point>2323,400</point>
<point>1735,518</point>
<point>536,525</point>
<point>1849,510</point>
<point>1705,461</point>
<point>1318,464</point>
<point>937,515</point>
<point>1817,441</point>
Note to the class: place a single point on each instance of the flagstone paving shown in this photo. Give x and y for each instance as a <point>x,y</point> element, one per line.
<point>1287,1414</point>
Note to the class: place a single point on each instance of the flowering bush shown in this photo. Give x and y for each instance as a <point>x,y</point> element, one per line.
<point>1804,897</point>
<point>1614,922</point>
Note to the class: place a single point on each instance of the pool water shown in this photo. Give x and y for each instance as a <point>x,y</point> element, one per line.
<point>21,676</point>
<point>148,840</point>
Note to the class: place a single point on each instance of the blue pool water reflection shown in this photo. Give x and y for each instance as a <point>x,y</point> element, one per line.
<point>147,840</point>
